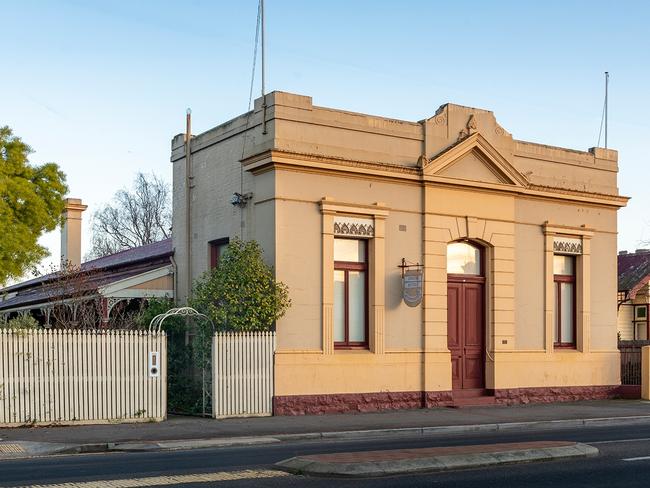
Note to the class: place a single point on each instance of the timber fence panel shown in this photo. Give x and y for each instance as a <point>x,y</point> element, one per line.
<point>242,374</point>
<point>69,376</point>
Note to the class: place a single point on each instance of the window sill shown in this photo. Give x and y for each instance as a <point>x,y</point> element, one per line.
<point>349,350</point>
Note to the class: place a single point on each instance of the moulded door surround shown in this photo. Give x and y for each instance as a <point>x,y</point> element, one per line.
<point>465,323</point>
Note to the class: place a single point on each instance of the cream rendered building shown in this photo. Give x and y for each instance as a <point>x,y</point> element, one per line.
<point>517,243</point>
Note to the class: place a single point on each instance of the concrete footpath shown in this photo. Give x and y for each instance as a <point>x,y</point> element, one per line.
<point>193,433</point>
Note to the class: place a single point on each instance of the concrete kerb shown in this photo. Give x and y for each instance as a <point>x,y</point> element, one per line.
<point>44,448</point>
<point>462,429</point>
<point>313,467</point>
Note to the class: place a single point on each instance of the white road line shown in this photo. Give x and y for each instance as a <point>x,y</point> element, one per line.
<point>644,458</point>
<point>618,441</point>
<point>170,480</point>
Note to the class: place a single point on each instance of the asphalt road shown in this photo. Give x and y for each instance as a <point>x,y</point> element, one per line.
<point>252,466</point>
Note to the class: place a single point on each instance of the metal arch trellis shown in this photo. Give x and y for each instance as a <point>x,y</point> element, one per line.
<point>158,320</point>
<point>188,312</point>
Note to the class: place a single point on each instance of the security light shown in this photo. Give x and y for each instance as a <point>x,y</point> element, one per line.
<point>239,199</point>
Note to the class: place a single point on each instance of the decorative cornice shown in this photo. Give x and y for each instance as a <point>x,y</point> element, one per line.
<point>563,191</point>
<point>266,158</point>
<point>316,163</point>
<point>566,230</point>
<point>329,205</point>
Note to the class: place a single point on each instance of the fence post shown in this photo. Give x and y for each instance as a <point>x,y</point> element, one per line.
<point>645,373</point>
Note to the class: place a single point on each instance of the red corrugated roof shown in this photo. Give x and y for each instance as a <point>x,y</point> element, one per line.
<point>107,269</point>
<point>632,269</point>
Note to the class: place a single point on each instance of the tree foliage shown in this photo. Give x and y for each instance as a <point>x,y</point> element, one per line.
<point>31,203</point>
<point>21,322</point>
<point>153,307</point>
<point>241,294</point>
<point>189,347</point>
<point>135,217</point>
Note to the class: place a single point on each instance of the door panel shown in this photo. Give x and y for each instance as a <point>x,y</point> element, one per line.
<point>473,344</point>
<point>454,321</point>
<point>454,332</point>
<point>465,323</point>
<point>473,321</point>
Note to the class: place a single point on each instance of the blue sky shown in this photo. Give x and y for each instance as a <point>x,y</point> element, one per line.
<point>102,87</point>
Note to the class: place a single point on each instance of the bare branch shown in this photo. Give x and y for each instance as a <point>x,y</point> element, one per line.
<point>135,217</point>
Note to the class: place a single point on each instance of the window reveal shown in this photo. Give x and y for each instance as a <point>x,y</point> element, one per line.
<point>217,249</point>
<point>350,294</point>
<point>641,322</point>
<point>564,316</point>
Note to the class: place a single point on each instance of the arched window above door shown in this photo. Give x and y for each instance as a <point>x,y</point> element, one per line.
<point>463,258</point>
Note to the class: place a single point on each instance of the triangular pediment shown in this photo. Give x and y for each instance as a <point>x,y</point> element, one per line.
<point>475,159</point>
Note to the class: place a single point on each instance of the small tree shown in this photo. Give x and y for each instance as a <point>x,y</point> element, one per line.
<point>241,294</point>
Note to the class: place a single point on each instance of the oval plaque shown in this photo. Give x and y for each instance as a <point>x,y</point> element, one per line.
<point>412,287</point>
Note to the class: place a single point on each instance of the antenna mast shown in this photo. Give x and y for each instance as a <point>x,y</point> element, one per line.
<point>188,201</point>
<point>606,94</point>
<point>263,69</point>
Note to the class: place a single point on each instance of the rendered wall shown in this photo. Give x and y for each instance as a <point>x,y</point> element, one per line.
<point>457,175</point>
<point>217,175</point>
<point>298,264</point>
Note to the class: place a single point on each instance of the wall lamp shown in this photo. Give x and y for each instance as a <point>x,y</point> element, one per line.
<point>240,200</point>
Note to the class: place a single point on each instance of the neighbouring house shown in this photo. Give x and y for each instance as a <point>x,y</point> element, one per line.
<point>127,278</point>
<point>633,295</point>
<point>429,263</point>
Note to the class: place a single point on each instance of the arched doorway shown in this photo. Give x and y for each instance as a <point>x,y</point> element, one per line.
<point>466,314</point>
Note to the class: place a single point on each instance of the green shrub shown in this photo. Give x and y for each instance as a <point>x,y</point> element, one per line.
<point>241,294</point>
<point>22,322</point>
<point>153,307</point>
<point>188,355</point>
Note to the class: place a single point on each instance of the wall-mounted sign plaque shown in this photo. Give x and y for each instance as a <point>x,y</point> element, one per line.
<point>412,287</point>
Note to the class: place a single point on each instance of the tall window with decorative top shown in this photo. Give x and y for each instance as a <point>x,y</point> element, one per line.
<point>350,294</point>
<point>564,318</point>
<point>567,287</point>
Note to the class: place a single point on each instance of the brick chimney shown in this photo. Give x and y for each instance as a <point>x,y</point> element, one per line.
<point>71,231</point>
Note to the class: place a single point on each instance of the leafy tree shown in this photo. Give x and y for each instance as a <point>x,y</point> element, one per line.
<point>135,217</point>
<point>31,203</point>
<point>241,294</point>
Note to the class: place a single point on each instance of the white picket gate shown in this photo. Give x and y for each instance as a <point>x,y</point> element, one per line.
<point>242,374</point>
<point>71,376</point>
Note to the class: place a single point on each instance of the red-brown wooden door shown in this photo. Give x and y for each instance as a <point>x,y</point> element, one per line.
<point>465,334</point>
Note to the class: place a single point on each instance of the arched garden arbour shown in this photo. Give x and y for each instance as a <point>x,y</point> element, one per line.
<point>189,358</point>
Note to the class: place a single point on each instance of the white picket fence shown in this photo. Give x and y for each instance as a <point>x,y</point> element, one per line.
<point>70,376</point>
<point>242,376</point>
